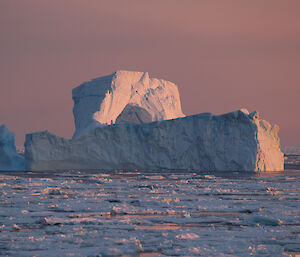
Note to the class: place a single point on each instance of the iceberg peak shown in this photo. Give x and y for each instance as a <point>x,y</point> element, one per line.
<point>100,101</point>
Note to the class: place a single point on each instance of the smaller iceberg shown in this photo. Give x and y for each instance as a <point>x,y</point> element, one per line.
<point>10,160</point>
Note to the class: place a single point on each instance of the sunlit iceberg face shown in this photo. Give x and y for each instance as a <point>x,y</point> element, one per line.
<point>102,100</point>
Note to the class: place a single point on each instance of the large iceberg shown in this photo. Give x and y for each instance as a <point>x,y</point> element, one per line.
<point>10,160</point>
<point>101,101</point>
<point>237,141</point>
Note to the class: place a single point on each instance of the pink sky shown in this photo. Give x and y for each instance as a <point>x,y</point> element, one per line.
<point>223,55</point>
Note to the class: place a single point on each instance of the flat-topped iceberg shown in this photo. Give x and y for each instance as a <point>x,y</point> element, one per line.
<point>10,160</point>
<point>236,141</point>
<point>101,101</point>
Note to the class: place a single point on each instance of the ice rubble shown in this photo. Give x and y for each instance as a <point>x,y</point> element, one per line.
<point>236,141</point>
<point>9,159</point>
<point>101,100</point>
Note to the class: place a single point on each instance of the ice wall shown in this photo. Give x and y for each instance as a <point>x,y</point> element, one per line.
<point>9,159</point>
<point>236,141</point>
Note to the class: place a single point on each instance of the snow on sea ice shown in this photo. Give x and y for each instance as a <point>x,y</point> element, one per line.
<point>187,236</point>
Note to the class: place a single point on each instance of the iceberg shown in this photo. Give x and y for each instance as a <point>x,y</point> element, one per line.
<point>133,95</point>
<point>236,141</point>
<point>128,120</point>
<point>10,160</point>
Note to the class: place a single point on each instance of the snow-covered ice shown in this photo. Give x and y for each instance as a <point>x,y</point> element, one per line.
<point>149,214</point>
<point>9,158</point>
<point>236,141</point>
<point>101,100</point>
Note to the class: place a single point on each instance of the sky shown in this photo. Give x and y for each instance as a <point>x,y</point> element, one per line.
<point>223,55</point>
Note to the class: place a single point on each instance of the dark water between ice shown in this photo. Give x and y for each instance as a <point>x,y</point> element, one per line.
<point>149,214</point>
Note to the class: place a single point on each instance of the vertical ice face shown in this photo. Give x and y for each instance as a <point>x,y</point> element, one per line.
<point>9,159</point>
<point>101,100</point>
<point>235,141</point>
<point>268,145</point>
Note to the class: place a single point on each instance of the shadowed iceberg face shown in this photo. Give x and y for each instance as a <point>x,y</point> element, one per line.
<point>235,141</point>
<point>9,159</point>
<point>134,114</point>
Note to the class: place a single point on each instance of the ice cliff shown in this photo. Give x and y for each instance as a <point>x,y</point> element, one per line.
<point>237,141</point>
<point>134,95</point>
<point>9,159</point>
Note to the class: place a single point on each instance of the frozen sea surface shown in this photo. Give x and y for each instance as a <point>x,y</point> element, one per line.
<point>149,214</point>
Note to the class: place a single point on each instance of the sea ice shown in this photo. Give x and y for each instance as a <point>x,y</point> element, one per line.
<point>291,150</point>
<point>149,214</point>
